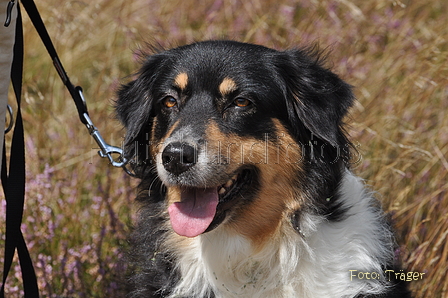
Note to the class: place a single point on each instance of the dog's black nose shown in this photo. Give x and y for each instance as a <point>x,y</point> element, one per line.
<point>178,157</point>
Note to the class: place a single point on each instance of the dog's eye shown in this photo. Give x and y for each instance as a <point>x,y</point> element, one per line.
<point>242,102</point>
<point>169,102</point>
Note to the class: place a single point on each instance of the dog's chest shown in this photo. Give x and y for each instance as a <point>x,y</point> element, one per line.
<point>228,266</point>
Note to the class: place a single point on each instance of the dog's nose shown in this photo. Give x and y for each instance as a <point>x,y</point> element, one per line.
<point>178,157</point>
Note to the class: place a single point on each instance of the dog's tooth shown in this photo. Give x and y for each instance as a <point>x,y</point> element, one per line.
<point>228,183</point>
<point>222,191</point>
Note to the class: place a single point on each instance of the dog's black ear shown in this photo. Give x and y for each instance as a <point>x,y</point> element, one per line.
<point>316,97</point>
<point>134,108</point>
<point>134,105</point>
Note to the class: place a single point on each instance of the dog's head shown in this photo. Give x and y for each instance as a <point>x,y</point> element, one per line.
<point>234,134</point>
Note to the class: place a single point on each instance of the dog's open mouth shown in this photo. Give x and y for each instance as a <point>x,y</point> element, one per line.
<point>198,207</point>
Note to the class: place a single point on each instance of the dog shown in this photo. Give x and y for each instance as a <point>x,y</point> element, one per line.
<point>246,188</point>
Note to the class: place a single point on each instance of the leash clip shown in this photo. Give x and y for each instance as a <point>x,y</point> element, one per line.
<point>9,13</point>
<point>106,150</point>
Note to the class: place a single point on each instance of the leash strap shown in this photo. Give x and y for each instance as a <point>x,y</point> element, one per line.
<point>106,150</point>
<point>14,183</point>
<point>36,19</point>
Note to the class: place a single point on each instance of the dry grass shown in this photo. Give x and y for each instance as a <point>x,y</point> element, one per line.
<point>394,53</point>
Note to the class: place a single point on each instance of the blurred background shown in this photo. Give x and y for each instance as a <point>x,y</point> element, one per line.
<point>79,208</point>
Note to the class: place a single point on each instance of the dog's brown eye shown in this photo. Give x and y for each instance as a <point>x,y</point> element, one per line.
<point>242,102</point>
<point>169,102</point>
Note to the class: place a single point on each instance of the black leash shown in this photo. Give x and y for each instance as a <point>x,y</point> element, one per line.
<point>34,15</point>
<point>76,92</point>
<point>13,182</point>
<point>106,150</point>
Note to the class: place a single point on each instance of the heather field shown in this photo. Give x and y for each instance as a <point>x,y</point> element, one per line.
<point>79,208</point>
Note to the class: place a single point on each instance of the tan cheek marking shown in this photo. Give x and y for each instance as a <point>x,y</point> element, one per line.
<point>227,86</point>
<point>279,163</point>
<point>181,80</point>
<point>225,148</point>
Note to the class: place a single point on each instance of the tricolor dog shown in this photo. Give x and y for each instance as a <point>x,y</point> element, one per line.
<point>246,188</point>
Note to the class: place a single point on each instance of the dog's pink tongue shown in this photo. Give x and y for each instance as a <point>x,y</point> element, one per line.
<point>195,212</point>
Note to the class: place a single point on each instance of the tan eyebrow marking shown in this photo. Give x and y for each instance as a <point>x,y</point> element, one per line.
<point>181,80</point>
<point>227,86</point>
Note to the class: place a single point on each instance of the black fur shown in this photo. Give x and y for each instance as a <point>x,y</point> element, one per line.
<point>292,86</point>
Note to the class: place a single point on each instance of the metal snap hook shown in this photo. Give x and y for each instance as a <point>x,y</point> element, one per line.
<point>106,150</point>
